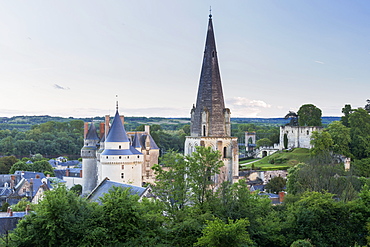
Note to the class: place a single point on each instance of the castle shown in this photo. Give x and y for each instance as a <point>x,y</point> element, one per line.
<point>117,155</point>
<point>128,157</point>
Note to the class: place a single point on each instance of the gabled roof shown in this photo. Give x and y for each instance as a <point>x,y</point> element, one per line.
<point>107,185</point>
<point>117,132</point>
<point>91,133</point>
<point>152,143</point>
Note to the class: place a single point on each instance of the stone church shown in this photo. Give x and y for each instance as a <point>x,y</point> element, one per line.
<point>125,157</point>
<point>210,121</point>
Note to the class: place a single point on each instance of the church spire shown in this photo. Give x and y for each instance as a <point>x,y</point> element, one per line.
<point>208,115</point>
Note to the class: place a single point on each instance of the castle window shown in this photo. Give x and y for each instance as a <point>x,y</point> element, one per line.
<point>138,156</point>
<point>122,175</point>
<point>308,132</point>
<point>147,164</point>
<point>128,157</point>
<point>123,167</point>
<point>147,174</point>
<point>225,152</point>
<point>204,130</point>
<point>213,53</point>
<point>120,157</point>
<point>119,146</point>
<point>147,152</point>
<point>106,157</point>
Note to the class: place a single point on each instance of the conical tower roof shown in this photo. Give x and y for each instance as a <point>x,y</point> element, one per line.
<point>117,132</point>
<point>91,133</point>
<point>136,141</point>
<point>210,96</point>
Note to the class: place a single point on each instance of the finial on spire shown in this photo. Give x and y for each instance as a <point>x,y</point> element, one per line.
<point>210,12</point>
<point>116,102</point>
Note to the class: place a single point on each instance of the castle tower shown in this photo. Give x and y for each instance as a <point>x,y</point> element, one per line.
<point>89,162</point>
<point>210,120</point>
<point>120,161</point>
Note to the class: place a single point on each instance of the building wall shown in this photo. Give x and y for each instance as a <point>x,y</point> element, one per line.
<point>123,169</point>
<point>227,146</point>
<point>298,136</point>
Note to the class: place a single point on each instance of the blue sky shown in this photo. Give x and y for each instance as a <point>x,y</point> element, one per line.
<point>71,58</point>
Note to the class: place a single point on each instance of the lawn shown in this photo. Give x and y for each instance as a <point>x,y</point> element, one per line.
<point>279,161</point>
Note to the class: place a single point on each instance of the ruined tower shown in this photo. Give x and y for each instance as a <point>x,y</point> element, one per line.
<point>210,120</point>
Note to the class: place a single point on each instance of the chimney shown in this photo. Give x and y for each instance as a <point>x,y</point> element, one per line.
<point>67,172</point>
<point>281,196</point>
<point>122,119</point>
<point>86,129</point>
<point>107,119</point>
<point>11,212</point>
<point>147,129</point>
<point>81,173</point>
<point>12,181</point>
<point>48,175</point>
<point>101,129</point>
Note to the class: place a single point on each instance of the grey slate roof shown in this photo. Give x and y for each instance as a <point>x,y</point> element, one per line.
<point>91,133</point>
<point>210,95</point>
<point>106,185</point>
<point>117,132</point>
<point>29,175</point>
<point>136,141</point>
<point>130,151</point>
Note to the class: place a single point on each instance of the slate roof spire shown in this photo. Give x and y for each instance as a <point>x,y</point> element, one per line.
<point>91,133</point>
<point>117,132</point>
<point>210,96</point>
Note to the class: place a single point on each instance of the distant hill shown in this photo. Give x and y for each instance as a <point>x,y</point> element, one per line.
<point>23,123</point>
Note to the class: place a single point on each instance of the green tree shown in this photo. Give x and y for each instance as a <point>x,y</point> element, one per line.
<point>264,142</point>
<point>319,217</point>
<point>172,185</point>
<point>341,138</point>
<point>19,166</point>
<point>6,163</point>
<point>204,166</point>
<point>309,115</point>
<point>359,122</point>
<point>346,110</point>
<point>322,142</point>
<point>61,219</point>
<point>301,243</point>
<point>42,166</point>
<point>217,233</point>
<point>275,185</point>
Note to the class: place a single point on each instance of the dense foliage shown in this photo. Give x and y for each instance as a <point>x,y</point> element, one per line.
<point>190,214</point>
<point>49,139</point>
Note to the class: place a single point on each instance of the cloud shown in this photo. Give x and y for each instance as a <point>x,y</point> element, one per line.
<point>56,86</point>
<point>320,62</point>
<point>244,107</point>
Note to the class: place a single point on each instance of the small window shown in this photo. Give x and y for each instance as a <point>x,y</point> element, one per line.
<point>123,167</point>
<point>120,157</point>
<point>225,149</point>
<point>119,146</point>
<point>308,132</point>
<point>213,53</point>
<point>138,156</point>
<point>147,174</point>
<point>122,175</point>
<point>128,157</point>
<point>106,157</point>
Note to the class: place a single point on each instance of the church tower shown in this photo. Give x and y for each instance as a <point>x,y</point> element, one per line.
<point>89,162</point>
<point>210,120</point>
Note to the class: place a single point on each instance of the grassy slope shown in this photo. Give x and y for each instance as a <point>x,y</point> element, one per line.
<point>281,160</point>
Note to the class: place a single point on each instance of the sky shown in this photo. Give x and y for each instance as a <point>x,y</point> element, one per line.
<point>76,58</point>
